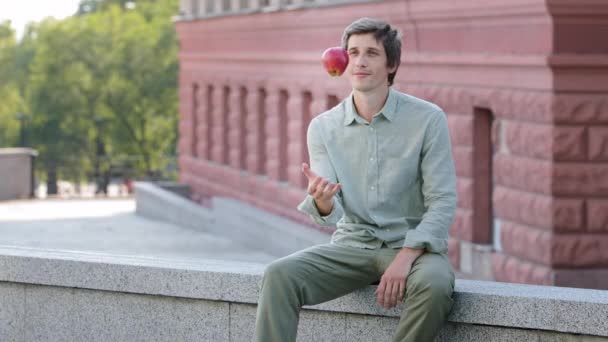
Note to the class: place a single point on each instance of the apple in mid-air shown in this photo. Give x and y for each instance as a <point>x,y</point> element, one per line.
<point>335,60</point>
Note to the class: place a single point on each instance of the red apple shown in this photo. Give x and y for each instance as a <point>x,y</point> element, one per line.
<point>335,60</point>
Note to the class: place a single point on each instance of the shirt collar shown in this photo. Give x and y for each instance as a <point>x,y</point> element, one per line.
<point>388,111</point>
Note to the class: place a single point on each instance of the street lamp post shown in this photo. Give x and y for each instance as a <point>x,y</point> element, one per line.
<point>100,153</point>
<point>21,117</point>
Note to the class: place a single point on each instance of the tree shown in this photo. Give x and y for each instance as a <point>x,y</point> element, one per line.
<point>142,89</point>
<point>105,79</point>
<point>60,129</point>
<point>11,103</point>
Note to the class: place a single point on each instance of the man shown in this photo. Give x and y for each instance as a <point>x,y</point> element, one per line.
<point>382,172</point>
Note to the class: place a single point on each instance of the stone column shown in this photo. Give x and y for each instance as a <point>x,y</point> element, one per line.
<point>184,8</point>
<point>205,120</point>
<point>185,114</point>
<point>213,7</point>
<point>253,4</point>
<point>195,119</point>
<point>319,102</point>
<point>546,181</point>
<point>273,134</point>
<point>255,129</point>
<point>218,118</point>
<point>298,119</point>
<point>235,127</point>
<point>235,5</point>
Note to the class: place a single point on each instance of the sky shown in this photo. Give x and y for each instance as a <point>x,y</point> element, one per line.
<point>20,12</point>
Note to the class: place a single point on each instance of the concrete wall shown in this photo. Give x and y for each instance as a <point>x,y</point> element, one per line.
<point>48,295</point>
<point>16,173</point>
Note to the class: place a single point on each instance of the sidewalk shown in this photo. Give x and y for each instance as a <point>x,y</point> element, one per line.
<point>109,226</point>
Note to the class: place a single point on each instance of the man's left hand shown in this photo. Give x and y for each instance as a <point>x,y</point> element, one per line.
<point>391,289</point>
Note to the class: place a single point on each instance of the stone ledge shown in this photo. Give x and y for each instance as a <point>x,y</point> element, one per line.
<point>10,151</point>
<point>566,310</point>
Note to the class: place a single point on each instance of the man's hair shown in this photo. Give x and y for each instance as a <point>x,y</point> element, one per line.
<point>390,38</point>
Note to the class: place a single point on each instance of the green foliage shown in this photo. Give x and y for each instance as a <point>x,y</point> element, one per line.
<point>106,75</point>
<point>12,102</point>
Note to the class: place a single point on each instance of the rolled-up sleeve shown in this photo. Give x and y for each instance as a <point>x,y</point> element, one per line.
<point>322,166</point>
<point>438,189</point>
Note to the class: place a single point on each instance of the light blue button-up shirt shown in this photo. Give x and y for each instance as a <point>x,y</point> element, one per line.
<point>397,174</point>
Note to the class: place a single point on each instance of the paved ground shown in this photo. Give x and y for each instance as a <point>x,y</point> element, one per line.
<point>109,226</point>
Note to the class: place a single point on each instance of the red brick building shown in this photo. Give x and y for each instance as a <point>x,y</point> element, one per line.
<point>524,84</point>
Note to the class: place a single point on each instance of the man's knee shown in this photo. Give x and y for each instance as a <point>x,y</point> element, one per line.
<point>281,269</point>
<point>433,283</point>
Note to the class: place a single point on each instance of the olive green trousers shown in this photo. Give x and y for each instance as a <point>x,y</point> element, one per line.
<point>325,272</point>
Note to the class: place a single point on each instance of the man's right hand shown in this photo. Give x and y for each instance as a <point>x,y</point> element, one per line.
<point>321,190</point>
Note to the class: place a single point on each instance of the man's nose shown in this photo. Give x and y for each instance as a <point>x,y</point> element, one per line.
<point>360,61</point>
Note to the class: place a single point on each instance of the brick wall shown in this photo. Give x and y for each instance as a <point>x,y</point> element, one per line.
<point>524,87</point>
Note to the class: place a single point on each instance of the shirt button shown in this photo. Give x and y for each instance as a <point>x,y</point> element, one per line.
<point>372,188</point>
<point>371,159</point>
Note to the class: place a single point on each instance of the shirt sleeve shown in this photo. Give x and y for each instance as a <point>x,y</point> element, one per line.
<point>322,166</point>
<point>438,189</point>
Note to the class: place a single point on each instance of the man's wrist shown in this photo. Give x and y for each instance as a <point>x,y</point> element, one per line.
<point>411,253</point>
<point>324,208</point>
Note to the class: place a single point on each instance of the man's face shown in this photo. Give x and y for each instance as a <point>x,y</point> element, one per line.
<point>367,70</point>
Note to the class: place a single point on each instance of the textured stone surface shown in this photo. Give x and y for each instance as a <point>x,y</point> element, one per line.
<point>523,207</point>
<point>479,333</point>
<point>51,314</point>
<point>464,186</point>
<point>569,143</point>
<point>462,225</point>
<point>529,139</point>
<point>514,270</point>
<point>523,173</point>
<point>558,214</point>
<point>597,213</point>
<point>466,257</point>
<point>593,278</point>
<point>476,302</point>
<point>581,108</point>
<point>459,124</point>
<point>62,314</point>
<point>203,279</point>
<point>319,326</point>
<point>363,328</point>
<point>463,161</point>
<point>16,165</point>
<point>242,322</point>
<point>580,251</point>
<point>482,261</point>
<point>553,308</point>
<point>12,312</point>
<point>454,253</point>
<point>568,214</point>
<point>526,242</point>
<point>598,143</point>
<point>580,179</point>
